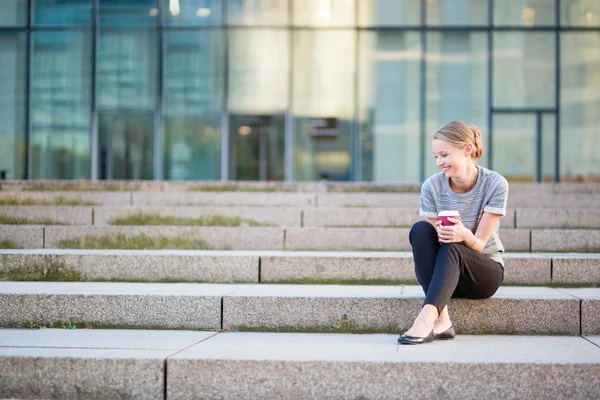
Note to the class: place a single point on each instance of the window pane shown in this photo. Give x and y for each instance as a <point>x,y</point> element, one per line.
<point>526,13</point>
<point>457,79</point>
<point>548,145</point>
<point>253,12</point>
<point>389,91</point>
<point>457,12</point>
<point>128,12</point>
<point>580,12</point>
<point>127,77</point>
<point>258,81</point>
<point>13,48</point>
<point>515,146</point>
<point>524,73</point>
<point>60,105</point>
<point>193,89</point>
<point>579,105</point>
<point>66,12</point>
<point>14,13</point>
<point>193,12</point>
<point>324,13</point>
<point>389,12</point>
<point>323,87</point>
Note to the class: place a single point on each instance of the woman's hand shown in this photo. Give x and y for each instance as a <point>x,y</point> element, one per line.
<point>454,233</point>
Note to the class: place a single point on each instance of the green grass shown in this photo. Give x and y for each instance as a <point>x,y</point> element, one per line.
<point>5,220</point>
<point>233,188</point>
<point>57,201</point>
<point>138,242</point>
<point>49,272</point>
<point>74,187</point>
<point>8,244</point>
<point>215,220</point>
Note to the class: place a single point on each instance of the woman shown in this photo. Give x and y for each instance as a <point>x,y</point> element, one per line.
<point>464,259</point>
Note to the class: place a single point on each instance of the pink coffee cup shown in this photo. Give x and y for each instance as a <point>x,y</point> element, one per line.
<point>443,216</point>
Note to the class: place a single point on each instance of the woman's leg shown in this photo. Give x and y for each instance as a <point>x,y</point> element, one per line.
<point>425,245</point>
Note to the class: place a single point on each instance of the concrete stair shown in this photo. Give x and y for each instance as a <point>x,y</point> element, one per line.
<point>182,364</point>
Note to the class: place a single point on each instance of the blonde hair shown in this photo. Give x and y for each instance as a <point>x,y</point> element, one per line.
<point>459,134</point>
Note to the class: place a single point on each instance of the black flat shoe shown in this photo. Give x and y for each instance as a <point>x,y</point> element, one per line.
<point>406,339</point>
<point>448,334</point>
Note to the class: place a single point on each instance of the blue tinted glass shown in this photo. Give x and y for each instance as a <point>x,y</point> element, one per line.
<point>193,12</point>
<point>60,105</point>
<point>128,12</point>
<point>13,13</point>
<point>63,12</point>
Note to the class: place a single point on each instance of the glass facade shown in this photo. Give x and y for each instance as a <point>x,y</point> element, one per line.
<point>295,90</point>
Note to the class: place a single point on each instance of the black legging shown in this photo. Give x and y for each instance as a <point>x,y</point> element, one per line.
<point>451,270</point>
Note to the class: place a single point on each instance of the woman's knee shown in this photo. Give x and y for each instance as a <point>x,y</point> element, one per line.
<point>422,230</point>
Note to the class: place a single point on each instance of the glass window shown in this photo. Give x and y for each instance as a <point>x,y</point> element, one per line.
<point>457,81</point>
<point>259,12</point>
<point>515,146</point>
<point>65,12</point>
<point>323,104</point>
<point>127,78</point>
<point>524,73</point>
<point>580,12</point>
<point>389,103</point>
<point>128,12</point>
<point>14,13</point>
<point>579,105</point>
<point>548,146</point>
<point>527,13</point>
<point>389,12</point>
<point>60,105</point>
<point>258,80</point>
<point>193,12</point>
<point>457,12</point>
<point>13,47</point>
<point>324,13</point>
<point>193,100</point>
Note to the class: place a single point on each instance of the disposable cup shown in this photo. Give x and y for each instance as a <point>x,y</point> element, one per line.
<point>443,216</point>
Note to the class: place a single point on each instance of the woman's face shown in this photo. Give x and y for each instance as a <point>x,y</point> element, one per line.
<point>453,161</point>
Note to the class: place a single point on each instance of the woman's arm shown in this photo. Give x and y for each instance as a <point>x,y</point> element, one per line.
<point>458,233</point>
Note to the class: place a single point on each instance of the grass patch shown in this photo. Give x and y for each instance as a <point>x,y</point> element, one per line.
<point>8,244</point>
<point>57,201</point>
<point>74,187</point>
<point>48,272</point>
<point>6,220</point>
<point>215,220</point>
<point>138,242</point>
<point>233,188</point>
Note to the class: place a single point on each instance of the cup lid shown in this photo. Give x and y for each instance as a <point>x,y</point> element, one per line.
<point>449,213</point>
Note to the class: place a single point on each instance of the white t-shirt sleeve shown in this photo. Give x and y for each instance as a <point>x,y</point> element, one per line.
<point>497,203</point>
<point>427,208</point>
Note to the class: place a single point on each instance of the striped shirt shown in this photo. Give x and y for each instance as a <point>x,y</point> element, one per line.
<point>490,194</point>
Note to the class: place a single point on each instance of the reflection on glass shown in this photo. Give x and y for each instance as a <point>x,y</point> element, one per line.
<point>128,12</point>
<point>524,73</point>
<point>457,12</point>
<point>324,13</point>
<point>60,105</point>
<point>193,12</point>
<point>259,68</point>
<point>13,48</point>
<point>13,13</point>
<point>65,12</point>
<point>257,147</point>
<point>579,105</point>
<point>389,12</point>
<point>193,92</point>
<point>323,87</point>
<point>580,12</point>
<point>525,13</point>
<point>389,90</point>
<point>515,146</point>
<point>127,77</point>
<point>457,78</point>
<point>258,12</point>
<point>548,146</point>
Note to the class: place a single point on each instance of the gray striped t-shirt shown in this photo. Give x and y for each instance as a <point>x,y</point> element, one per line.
<point>489,194</point>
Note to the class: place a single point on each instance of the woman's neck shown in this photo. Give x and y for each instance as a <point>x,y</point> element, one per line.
<point>466,182</point>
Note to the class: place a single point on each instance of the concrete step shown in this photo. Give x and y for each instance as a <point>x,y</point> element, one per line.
<point>289,199</point>
<point>181,365</point>
<point>272,267</point>
<point>311,308</point>
<point>273,238</point>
